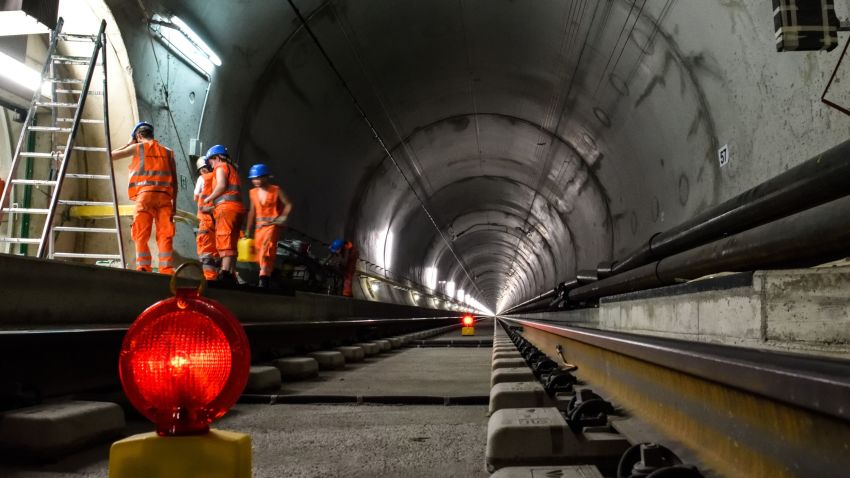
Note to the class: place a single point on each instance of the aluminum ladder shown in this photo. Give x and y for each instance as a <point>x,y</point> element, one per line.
<point>67,100</point>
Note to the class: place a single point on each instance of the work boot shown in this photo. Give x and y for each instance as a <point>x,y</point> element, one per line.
<point>265,283</point>
<point>227,278</point>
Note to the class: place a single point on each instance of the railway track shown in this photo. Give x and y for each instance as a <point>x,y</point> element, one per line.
<point>737,412</point>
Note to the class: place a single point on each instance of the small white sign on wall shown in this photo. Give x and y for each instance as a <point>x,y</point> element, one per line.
<point>723,155</point>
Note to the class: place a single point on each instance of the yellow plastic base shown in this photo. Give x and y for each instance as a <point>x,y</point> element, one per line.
<point>218,454</point>
<point>467,331</point>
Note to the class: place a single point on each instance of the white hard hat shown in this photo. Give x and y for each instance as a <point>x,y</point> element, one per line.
<point>202,163</point>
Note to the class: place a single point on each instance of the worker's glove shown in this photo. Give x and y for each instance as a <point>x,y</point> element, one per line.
<point>278,221</point>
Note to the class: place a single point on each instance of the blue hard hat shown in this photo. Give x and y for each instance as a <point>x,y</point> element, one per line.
<point>139,125</point>
<point>217,150</point>
<point>336,245</point>
<point>258,170</point>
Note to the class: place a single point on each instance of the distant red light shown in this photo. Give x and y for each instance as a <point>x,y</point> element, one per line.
<point>184,362</point>
<point>468,320</point>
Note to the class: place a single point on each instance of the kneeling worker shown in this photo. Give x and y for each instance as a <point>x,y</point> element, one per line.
<point>268,212</point>
<point>153,186</point>
<point>207,252</point>
<point>228,211</point>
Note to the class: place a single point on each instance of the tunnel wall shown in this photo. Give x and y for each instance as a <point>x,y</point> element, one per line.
<point>541,137</point>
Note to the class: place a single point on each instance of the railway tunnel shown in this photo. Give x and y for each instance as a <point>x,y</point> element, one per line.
<point>642,202</point>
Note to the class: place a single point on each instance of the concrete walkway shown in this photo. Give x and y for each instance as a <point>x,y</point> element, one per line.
<point>409,372</point>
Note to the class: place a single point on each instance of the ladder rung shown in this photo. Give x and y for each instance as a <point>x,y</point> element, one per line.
<point>34,182</point>
<point>79,92</point>
<point>66,81</point>
<point>71,60</point>
<point>85,229</point>
<point>87,176</point>
<point>36,155</point>
<point>25,210</point>
<point>55,104</point>
<point>20,240</point>
<point>68,202</point>
<point>77,35</point>
<point>71,120</point>
<point>49,129</point>
<point>91,149</point>
<point>75,255</point>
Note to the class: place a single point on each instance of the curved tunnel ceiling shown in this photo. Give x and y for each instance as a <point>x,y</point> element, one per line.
<point>529,139</point>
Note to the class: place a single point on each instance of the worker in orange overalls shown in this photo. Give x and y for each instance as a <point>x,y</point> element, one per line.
<point>268,212</point>
<point>207,252</point>
<point>153,186</point>
<point>228,212</point>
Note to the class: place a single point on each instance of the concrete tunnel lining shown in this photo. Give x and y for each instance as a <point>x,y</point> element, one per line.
<point>684,78</point>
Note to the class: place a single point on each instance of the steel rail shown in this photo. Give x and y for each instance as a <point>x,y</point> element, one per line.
<point>791,378</point>
<point>742,412</point>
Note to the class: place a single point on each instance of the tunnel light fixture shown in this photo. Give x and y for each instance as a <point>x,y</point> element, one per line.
<point>450,289</point>
<point>431,277</point>
<point>461,295</point>
<point>178,37</point>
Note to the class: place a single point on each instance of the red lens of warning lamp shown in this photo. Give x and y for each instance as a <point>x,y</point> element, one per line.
<point>184,362</point>
<point>468,320</point>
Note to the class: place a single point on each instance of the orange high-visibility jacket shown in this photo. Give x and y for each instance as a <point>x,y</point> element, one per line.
<point>206,191</point>
<point>267,211</point>
<point>232,193</point>
<point>152,170</point>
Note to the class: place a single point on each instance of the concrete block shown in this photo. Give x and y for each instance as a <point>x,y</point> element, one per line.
<point>50,431</point>
<point>385,345</point>
<point>508,363</point>
<point>579,471</point>
<point>540,437</point>
<point>504,347</point>
<point>396,342</point>
<point>371,348</point>
<point>297,368</point>
<point>519,374</point>
<point>731,316</point>
<point>518,395</point>
<point>263,378</point>
<point>352,353</point>
<point>806,306</point>
<point>506,355</point>
<point>328,359</point>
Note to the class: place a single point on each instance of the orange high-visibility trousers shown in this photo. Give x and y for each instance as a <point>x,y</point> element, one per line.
<point>265,241</point>
<point>207,252</point>
<point>153,207</point>
<point>228,222</point>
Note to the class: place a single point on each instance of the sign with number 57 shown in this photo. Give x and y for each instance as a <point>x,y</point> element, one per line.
<point>723,155</point>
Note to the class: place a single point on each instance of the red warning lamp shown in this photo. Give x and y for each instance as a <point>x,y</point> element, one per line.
<point>184,362</point>
<point>468,320</point>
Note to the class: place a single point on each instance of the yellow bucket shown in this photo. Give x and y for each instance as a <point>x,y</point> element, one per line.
<point>245,250</point>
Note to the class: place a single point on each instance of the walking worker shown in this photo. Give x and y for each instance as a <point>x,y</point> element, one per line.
<point>228,212</point>
<point>207,252</point>
<point>153,186</point>
<point>268,212</point>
